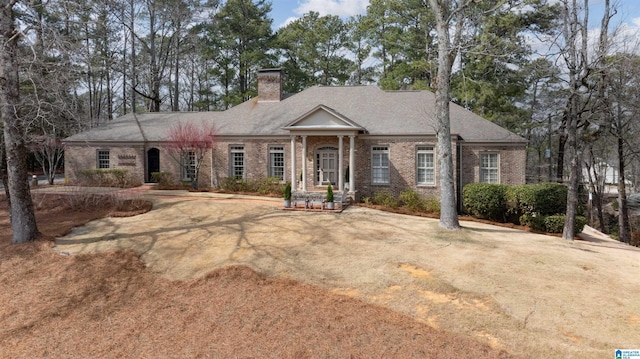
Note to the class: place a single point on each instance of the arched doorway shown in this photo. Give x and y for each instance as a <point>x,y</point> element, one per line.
<point>153,163</point>
<point>326,166</point>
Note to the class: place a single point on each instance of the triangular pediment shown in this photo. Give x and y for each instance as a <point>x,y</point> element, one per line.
<point>323,118</point>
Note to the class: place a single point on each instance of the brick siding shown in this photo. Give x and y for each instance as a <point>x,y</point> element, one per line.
<point>402,161</point>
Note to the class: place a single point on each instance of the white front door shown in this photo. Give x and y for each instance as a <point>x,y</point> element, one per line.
<point>327,166</point>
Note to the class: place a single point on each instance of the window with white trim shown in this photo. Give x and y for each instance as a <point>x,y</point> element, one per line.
<point>425,168</point>
<point>189,165</point>
<point>236,161</point>
<point>380,165</point>
<point>489,168</point>
<point>102,157</point>
<point>276,162</point>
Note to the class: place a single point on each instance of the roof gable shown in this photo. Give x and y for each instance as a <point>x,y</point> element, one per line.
<point>322,117</point>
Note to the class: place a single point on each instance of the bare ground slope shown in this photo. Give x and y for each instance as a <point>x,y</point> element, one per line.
<point>108,305</point>
<point>532,295</point>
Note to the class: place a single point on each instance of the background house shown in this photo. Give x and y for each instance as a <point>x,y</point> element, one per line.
<point>360,138</point>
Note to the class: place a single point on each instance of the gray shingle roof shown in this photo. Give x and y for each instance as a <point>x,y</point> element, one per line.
<point>379,112</point>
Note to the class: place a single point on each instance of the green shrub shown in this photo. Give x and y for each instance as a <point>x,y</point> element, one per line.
<point>112,177</point>
<point>329,197</point>
<point>432,205</point>
<point>581,221</point>
<point>485,200</point>
<point>385,198</point>
<point>555,224</point>
<point>536,223</point>
<point>269,185</point>
<point>163,179</point>
<point>542,199</point>
<point>413,201</point>
<point>287,192</point>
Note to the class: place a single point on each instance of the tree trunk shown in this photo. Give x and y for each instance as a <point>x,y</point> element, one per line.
<point>624,230</point>
<point>562,141</point>
<point>448,207</point>
<point>569,230</point>
<point>3,171</point>
<point>23,221</point>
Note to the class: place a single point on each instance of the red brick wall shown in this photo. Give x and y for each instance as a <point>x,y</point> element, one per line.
<point>81,157</point>
<point>402,156</point>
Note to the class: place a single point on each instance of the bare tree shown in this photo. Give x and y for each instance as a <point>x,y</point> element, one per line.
<point>580,66</point>
<point>49,152</point>
<point>21,211</point>
<point>448,14</point>
<point>187,145</point>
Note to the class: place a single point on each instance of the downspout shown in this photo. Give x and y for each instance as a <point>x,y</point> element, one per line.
<point>459,174</point>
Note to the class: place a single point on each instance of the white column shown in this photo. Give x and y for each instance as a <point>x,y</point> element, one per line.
<point>352,164</point>
<point>304,163</point>
<point>340,164</point>
<point>293,162</point>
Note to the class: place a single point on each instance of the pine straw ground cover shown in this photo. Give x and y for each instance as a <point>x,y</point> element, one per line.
<point>108,305</point>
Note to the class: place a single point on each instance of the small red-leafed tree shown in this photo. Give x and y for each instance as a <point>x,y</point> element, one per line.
<point>188,144</point>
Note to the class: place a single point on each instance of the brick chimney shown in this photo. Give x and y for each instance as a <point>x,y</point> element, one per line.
<point>269,85</point>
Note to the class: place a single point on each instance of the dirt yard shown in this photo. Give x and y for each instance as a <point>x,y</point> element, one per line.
<point>362,283</point>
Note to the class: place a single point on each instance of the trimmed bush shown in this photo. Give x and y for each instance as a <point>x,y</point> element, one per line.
<point>163,179</point>
<point>329,197</point>
<point>287,192</point>
<point>542,199</point>
<point>269,185</point>
<point>551,224</point>
<point>432,205</point>
<point>554,224</point>
<point>581,221</point>
<point>536,223</point>
<point>413,201</point>
<point>112,177</point>
<point>485,200</point>
<point>385,198</point>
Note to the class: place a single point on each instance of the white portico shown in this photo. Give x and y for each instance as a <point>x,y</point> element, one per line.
<point>329,165</point>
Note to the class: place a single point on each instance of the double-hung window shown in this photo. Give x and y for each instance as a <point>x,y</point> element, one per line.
<point>236,161</point>
<point>380,165</point>
<point>425,168</point>
<point>102,157</point>
<point>189,165</point>
<point>276,162</point>
<point>489,168</point>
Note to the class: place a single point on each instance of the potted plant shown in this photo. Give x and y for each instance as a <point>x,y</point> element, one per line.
<point>287,196</point>
<point>329,198</point>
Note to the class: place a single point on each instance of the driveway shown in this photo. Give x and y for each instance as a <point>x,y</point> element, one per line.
<point>533,295</point>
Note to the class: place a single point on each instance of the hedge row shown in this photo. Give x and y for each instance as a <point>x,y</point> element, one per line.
<point>541,206</point>
<point>270,185</point>
<point>409,199</point>
<point>113,177</point>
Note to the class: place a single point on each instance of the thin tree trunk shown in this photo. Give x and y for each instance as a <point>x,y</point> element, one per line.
<point>134,75</point>
<point>562,142</point>
<point>3,172</point>
<point>23,221</point>
<point>624,230</point>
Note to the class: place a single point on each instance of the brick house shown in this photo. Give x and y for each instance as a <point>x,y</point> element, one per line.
<point>359,138</point>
